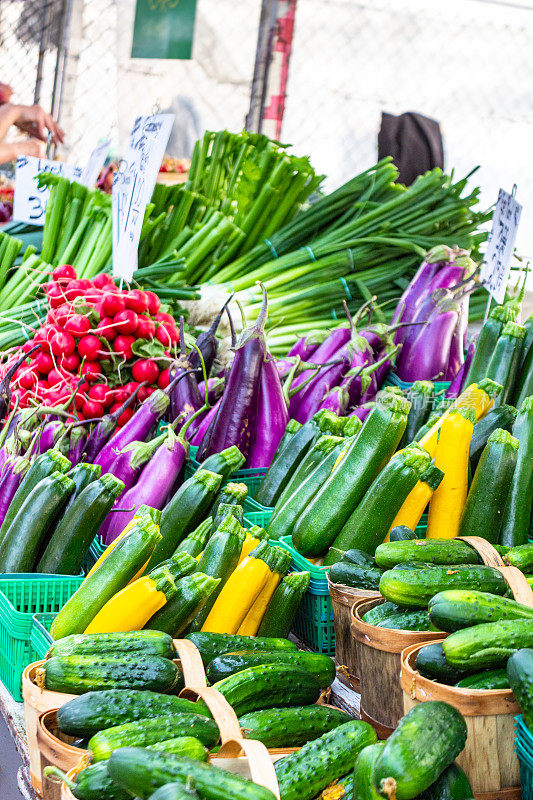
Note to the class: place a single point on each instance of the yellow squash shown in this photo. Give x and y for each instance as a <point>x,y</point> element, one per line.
<point>416,501</point>
<point>279,565</point>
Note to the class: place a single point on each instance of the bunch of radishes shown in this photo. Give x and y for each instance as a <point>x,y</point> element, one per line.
<point>98,344</point>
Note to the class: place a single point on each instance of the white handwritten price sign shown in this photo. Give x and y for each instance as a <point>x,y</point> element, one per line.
<point>96,161</point>
<point>496,267</point>
<point>30,201</point>
<point>133,185</point>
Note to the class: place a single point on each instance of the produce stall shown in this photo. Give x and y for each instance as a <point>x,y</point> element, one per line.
<point>266,511</point>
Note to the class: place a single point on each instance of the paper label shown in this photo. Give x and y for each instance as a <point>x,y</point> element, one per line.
<point>133,184</point>
<point>30,201</point>
<point>96,161</point>
<point>497,264</point>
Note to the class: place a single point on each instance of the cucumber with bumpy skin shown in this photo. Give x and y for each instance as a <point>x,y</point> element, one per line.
<point>415,588</point>
<point>520,674</point>
<point>291,727</point>
<point>269,686</point>
<point>431,663</point>
<point>451,785</point>
<point>228,664</point>
<point>147,643</point>
<point>455,609</point>
<point>212,645</point>
<point>488,679</point>
<point>489,645</point>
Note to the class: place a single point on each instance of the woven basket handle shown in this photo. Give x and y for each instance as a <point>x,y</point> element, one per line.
<point>489,554</point>
<point>191,662</point>
<point>519,586</point>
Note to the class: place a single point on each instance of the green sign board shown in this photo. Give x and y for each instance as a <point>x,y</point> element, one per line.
<point>163,28</point>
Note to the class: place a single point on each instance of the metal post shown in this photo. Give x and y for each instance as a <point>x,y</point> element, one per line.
<point>267,22</point>
<point>62,49</point>
<point>43,44</point>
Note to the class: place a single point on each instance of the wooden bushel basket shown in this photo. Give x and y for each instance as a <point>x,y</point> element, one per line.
<point>343,599</point>
<point>378,657</point>
<point>36,702</point>
<point>56,750</point>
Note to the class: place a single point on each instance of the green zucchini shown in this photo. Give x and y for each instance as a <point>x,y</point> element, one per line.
<point>184,512</point>
<point>291,727</point>
<point>224,463</point>
<point>518,508</point>
<point>232,494</point>
<point>520,674</point>
<point>455,609</point>
<point>318,451</point>
<point>488,492</point>
<point>194,543</point>
<point>488,646</point>
<point>179,565</point>
<point>353,575</point>
<point>144,732</point>
<point>95,711</point>
<point>488,679</point>
<point>432,419</point>
<point>212,645</point>
<point>35,519</point>
<point>363,775</point>
<point>304,774</point>
<point>415,588</point>
<point>521,557</point>
<point>80,674</point>
<point>524,383</point>
<point>140,772</point>
<point>288,459</point>
<point>486,343</point>
<point>421,396</point>
<point>82,474</point>
<point>503,365</point>
<point>269,686</point>
<point>123,563</point>
<point>219,559</point>
<point>401,533</point>
<point>430,551</point>
<point>228,664</point>
<point>285,515</point>
<point>75,531</point>
<point>284,604</point>
<point>431,663</point>
<point>43,466</point>
<point>499,417</point>
<point>452,784</point>
<point>426,741</point>
<point>179,611</point>
<point>225,510</point>
<point>148,643</point>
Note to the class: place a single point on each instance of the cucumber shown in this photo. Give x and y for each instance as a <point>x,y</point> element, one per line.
<point>80,674</point>
<point>451,785</point>
<point>381,611</point>
<point>415,588</point>
<point>140,772</point>
<point>520,674</point>
<point>358,557</point>
<point>401,533</point>
<point>403,620</point>
<point>269,686</point>
<point>144,732</point>
<point>426,741</point>
<point>74,532</point>
<point>363,775</point>
<point>228,664</point>
<point>488,646</point>
<point>176,791</point>
<point>304,774</point>
<point>461,608</point>
<point>431,663</point>
<point>431,551</point>
<point>353,575</point>
<point>291,727</point>
<point>521,557</point>
<point>95,711</point>
<point>184,512</point>
<point>284,604</point>
<point>212,645</point>
<point>488,679</point>
<point>148,643</point>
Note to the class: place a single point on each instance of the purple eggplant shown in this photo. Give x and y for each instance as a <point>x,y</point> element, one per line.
<point>456,386</point>
<point>50,435</point>
<point>5,383</point>
<point>105,428</point>
<point>314,394</point>
<point>154,484</point>
<point>207,344</point>
<point>235,419</point>
<point>215,388</point>
<point>336,400</point>
<point>10,481</point>
<point>196,435</point>
<point>361,357</point>
<point>456,357</point>
<point>185,397</point>
<point>76,444</point>
<point>271,419</point>
<point>326,352</point>
<point>362,412</point>
<point>307,345</point>
<point>428,357</point>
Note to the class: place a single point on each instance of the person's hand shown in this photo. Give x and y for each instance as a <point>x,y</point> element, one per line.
<point>6,93</point>
<point>30,147</point>
<point>36,121</point>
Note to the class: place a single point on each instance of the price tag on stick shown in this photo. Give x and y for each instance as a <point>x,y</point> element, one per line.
<point>30,201</point>
<point>133,185</point>
<point>497,264</point>
<point>96,161</point>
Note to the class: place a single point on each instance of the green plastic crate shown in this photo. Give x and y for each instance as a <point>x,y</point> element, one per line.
<point>93,554</point>
<point>21,597</point>
<point>40,638</point>
<point>251,477</point>
<point>441,387</point>
<point>313,623</point>
<point>252,518</point>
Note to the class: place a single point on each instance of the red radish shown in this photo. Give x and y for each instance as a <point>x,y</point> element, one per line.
<point>164,317</point>
<point>92,409</point>
<point>62,343</point>
<point>145,370</point>
<point>120,395</point>
<point>89,347</point>
<point>137,301</point>
<point>126,321</point>
<point>100,393</point>
<point>126,415</point>
<point>103,280</point>
<point>56,376</point>
<point>154,303</point>
<point>27,379</point>
<point>62,313</point>
<point>163,379</point>
<point>79,400</point>
<point>145,392</point>
<point>44,362</point>
<point>113,304</point>
<point>70,362</point>
<point>75,289</point>
<point>129,388</point>
<point>145,328</point>
<point>167,335</point>
<point>55,295</point>
<point>77,325</point>
<point>65,272</point>
<point>106,329</point>
<point>91,370</point>
<point>85,284</point>
<point>122,345</point>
